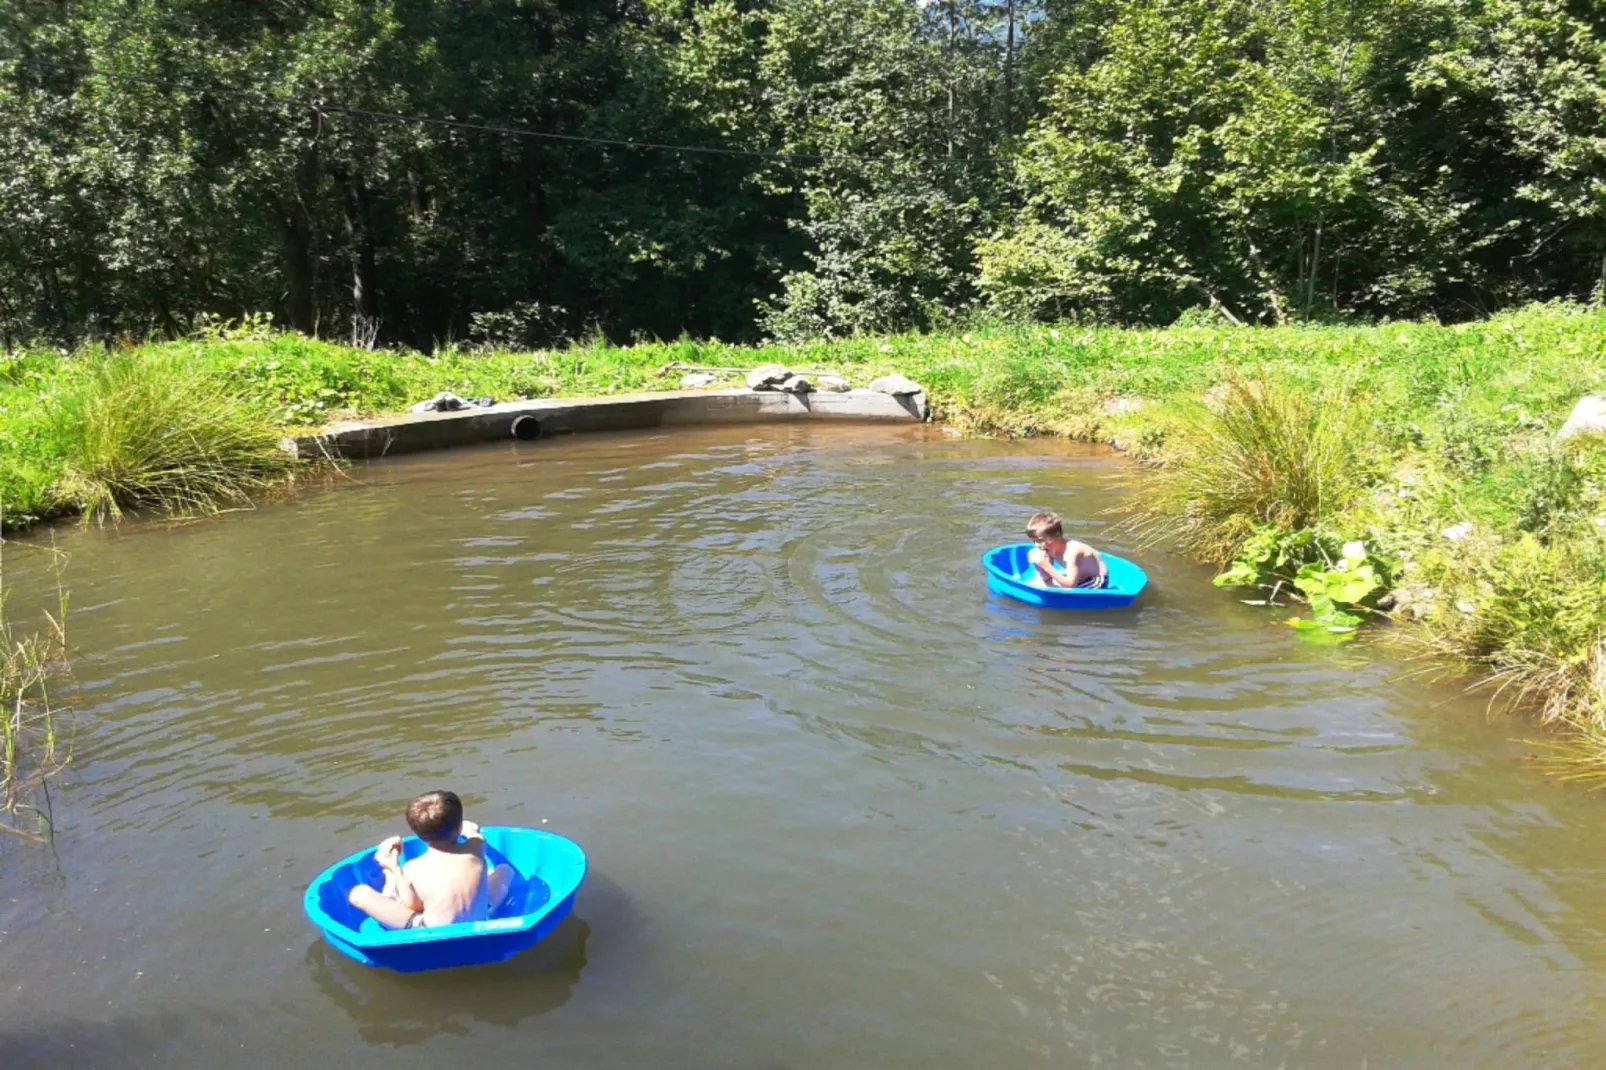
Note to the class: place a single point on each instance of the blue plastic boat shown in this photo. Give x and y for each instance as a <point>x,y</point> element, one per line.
<point>550,870</point>
<point>1009,573</point>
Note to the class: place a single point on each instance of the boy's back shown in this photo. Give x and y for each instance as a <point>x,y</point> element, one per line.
<point>451,882</point>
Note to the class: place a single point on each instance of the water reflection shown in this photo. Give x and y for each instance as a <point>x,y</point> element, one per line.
<point>406,1010</point>
<point>854,810</point>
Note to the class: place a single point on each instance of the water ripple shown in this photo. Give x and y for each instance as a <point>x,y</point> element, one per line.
<point>844,787</point>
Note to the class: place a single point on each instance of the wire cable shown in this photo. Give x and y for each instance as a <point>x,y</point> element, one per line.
<point>324,109</point>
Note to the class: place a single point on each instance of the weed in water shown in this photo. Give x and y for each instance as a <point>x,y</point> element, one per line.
<point>34,742</point>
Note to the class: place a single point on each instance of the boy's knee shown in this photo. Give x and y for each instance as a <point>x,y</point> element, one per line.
<point>501,882</point>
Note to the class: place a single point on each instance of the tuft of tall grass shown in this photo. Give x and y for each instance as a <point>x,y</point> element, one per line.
<point>35,743</point>
<point>1260,455</point>
<point>1533,615</point>
<point>149,430</point>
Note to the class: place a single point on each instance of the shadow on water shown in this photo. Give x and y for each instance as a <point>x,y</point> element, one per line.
<point>402,1010</point>
<point>85,1045</point>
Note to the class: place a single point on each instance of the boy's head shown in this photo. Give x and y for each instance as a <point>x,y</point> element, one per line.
<point>1046,530</point>
<point>436,816</point>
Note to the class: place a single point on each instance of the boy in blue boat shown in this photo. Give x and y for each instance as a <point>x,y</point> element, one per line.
<point>448,883</point>
<point>1058,561</point>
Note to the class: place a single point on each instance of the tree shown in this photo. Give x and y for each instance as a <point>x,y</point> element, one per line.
<point>520,171</point>
<point>1309,157</point>
<point>890,103</point>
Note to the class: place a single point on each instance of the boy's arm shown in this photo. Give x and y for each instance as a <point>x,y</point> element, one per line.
<point>406,894</point>
<point>473,837</point>
<point>1075,558</point>
<point>1098,559</point>
<point>1050,575</point>
<point>388,856</point>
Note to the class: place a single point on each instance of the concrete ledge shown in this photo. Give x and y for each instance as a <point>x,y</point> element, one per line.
<point>626,412</point>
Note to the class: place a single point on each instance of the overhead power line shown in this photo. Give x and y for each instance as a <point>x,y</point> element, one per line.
<point>319,107</point>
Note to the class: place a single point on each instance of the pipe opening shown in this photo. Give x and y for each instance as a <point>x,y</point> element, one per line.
<point>526,428</point>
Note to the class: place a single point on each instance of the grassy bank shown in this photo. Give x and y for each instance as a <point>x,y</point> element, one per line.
<point>1406,470</point>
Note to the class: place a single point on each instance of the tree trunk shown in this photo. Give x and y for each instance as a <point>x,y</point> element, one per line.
<point>1315,263</point>
<point>1009,70</point>
<point>300,263</point>
<point>417,197</point>
<point>298,271</point>
<point>953,37</point>
<point>364,294</point>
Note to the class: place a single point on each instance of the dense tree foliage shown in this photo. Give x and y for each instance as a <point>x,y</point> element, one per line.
<point>878,164</point>
<point>1268,159</point>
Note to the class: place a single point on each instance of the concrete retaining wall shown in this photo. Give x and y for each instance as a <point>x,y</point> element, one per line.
<point>626,412</point>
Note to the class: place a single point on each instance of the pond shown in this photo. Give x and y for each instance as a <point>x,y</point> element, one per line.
<point>843,808</point>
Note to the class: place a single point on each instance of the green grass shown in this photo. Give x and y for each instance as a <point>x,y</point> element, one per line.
<point>1259,456</point>
<point>1316,438</point>
<point>157,431</point>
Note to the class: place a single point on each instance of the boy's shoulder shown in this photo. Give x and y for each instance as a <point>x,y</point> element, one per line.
<point>444,864</point>
<point>421,861</point>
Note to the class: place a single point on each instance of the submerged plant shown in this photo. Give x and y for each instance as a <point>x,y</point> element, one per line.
<point>1264,457</point>
<point>156,431</point>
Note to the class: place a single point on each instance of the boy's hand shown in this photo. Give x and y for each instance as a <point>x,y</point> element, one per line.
<point>388,853</point>
<point>470,830</point>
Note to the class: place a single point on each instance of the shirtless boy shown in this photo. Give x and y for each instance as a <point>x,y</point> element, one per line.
<point>1061,562</point>
<point>448,883</point>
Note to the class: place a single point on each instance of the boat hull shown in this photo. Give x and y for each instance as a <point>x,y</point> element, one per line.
<point>1008,571</point>
<point>550,871</point>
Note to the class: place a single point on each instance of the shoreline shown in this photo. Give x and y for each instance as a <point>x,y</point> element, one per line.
<point>1403,471</point>
<point>530,420</point>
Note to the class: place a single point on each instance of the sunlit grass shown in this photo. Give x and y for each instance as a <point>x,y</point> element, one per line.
<point>158,432</point>
<point>1262,455</point>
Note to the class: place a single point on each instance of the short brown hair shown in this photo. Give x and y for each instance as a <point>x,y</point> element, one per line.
<point>1045,526</point>
<point>437,816</point>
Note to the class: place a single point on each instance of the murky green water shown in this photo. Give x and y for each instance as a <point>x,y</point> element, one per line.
<point>843,809</point>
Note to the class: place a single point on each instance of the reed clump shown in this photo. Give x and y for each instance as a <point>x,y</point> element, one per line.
<point>1259,455</point>
<point>35,730</point>
<point>158,432</point>
<point>1530,612</point>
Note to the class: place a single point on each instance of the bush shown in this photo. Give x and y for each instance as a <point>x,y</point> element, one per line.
<point>25,494</point>
<point>1266,456</point>
<point>157,431</point>
<point>1536,616</point>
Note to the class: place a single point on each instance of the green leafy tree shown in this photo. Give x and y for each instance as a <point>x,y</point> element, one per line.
<point>1309,157</point>
<point>897,100</point>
